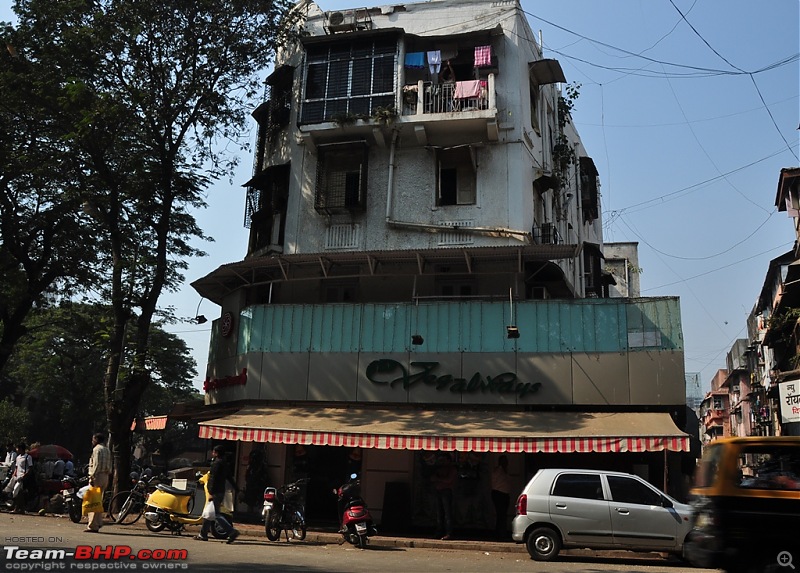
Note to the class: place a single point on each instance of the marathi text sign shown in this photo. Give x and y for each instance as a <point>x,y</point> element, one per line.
<point>790,401</point>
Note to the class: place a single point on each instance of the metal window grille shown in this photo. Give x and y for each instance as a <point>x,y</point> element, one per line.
<point>349,79</point>
<point>341,178</point>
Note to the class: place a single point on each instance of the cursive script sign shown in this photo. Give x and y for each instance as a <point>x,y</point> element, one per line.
<point>381,372</point>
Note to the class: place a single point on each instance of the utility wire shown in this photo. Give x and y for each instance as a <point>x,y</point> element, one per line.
<point>752,79</point>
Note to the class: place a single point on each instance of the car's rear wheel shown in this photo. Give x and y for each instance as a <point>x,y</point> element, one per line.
<point>543,544</point>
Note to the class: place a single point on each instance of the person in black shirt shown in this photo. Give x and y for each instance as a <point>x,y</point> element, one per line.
<point>216,493</point>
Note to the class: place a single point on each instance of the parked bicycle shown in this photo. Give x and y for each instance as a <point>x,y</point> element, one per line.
<point>127,507</point>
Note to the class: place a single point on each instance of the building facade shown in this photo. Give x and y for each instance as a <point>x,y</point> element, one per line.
<point>425,279</point>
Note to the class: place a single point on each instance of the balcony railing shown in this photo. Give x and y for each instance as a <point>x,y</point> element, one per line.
<point>449,97</point>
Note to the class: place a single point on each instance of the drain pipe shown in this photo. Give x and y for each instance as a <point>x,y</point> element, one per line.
<point>390,185</point>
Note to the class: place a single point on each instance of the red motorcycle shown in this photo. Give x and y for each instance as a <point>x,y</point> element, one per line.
<point>357,526</point>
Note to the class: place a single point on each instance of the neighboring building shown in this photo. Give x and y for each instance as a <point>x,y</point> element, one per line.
<point>622,263</point>
<point>715,410</point>
<point>778,316</point>
<point>739,391</point>
<point>425,273</point>
<point>694,392</point>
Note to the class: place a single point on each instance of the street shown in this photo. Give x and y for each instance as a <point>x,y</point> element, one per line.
<point>138,549</point>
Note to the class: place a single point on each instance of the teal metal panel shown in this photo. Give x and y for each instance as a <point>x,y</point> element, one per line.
<point>385,328</point>
<point>596,325</point>
<point>246,330</point>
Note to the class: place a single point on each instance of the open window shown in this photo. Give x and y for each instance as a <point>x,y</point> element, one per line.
<point>456,176</point>
<point>267,201</point>
<point>341,178</point>
<point>588,189</point>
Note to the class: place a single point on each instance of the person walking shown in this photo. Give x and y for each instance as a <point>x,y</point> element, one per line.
<point>24,475</point>
<point>216,493</point>
<point>99,470</point>
<point>11,454</point>
<point>501,494</point>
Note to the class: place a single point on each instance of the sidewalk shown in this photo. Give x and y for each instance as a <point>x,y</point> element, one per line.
<point>256,531</point>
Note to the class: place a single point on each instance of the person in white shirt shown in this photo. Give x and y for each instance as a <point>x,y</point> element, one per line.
<point>23,467</point>
<point>11,454</point>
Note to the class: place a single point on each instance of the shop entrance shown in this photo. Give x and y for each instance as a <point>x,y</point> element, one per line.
<point>326,468</point>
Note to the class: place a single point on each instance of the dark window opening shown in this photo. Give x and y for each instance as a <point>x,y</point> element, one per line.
<point>457,180</point>
<point>341,178</point>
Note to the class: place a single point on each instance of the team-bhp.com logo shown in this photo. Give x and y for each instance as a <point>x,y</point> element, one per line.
<point>93,558</point>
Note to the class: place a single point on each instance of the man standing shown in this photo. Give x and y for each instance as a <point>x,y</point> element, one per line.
<point>11,454</point>
<point>24,475</point>
<point>99,469</point>
<point>444,480</point>
<point>216,493</point>
<point>501,495</point>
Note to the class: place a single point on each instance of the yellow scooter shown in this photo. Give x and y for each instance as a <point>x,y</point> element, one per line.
<point>171,508</point>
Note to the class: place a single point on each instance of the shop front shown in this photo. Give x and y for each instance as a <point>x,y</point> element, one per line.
<point>397,451</point>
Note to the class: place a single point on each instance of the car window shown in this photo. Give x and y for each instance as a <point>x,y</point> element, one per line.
<point>585,486</point>
<point>627,490</point>
<point>769,467</point>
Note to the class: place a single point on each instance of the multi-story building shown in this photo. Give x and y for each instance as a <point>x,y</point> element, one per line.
<point>777,316</point>
<point>715,410</point>
<point>425,272</point>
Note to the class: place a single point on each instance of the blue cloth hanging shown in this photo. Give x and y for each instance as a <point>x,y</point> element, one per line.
<point>415,60</point>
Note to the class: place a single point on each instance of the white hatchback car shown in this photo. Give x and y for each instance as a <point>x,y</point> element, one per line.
<point>597,509</point>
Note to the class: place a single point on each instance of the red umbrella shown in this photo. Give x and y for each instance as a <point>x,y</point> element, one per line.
<point>51,451</point>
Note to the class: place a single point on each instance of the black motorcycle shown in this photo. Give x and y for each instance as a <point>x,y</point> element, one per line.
<point>284,511</point>
<point>69,491</point>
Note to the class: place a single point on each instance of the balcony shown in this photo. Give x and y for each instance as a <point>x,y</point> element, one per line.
<point>463,105</point>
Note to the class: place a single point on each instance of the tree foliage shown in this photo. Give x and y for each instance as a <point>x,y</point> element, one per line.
<point>55,374</point>
<point>145,93</point>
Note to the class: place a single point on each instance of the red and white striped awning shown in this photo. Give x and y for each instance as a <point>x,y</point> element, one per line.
<point>452,430</point>
<point>150,423</point>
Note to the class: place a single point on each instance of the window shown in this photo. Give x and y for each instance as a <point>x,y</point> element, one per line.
<point>341,178</point>
<point>773,467</point>
<point>349,79</point>
<point>628,490</point>
<point>588,189</point>
<point>534,95</point>
<point>584,486</point>
<point>456,177</point>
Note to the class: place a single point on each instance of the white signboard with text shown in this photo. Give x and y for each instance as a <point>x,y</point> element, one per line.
<point>789,393</point>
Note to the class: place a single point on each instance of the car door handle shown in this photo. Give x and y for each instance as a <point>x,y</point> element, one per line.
<point>561,506</point>
<point>622,510</point>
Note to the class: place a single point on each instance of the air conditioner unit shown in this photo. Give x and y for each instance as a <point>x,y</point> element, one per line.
<point>341,21</point>
<point>735,389</point>
<point>548,234</point>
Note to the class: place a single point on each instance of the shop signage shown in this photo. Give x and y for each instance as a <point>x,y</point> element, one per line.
<point>789,393</point>
<point>381,371</point>
<point>217,383</point>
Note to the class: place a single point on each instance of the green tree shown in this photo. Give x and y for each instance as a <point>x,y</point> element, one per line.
<point>56,374</point>
<point>151,92</point>
<point>14,422</point>
<point>44,240</point>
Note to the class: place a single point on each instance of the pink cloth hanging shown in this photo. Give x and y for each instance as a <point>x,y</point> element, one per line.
<point>483,56</point>
<point>468,89</point>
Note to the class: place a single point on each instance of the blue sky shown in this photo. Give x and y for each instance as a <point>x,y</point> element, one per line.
<point>689,109</point>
